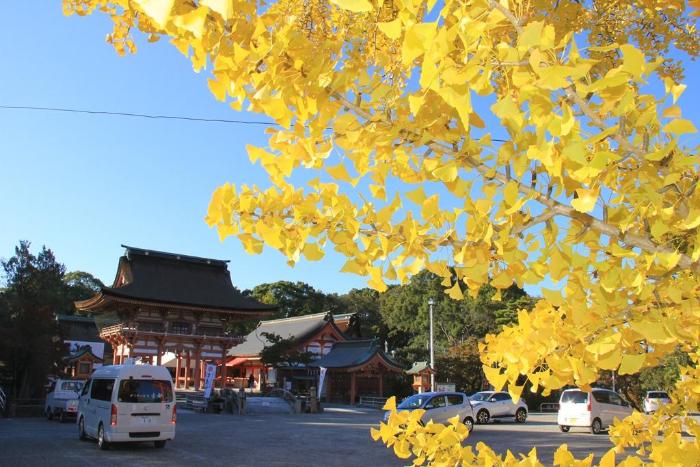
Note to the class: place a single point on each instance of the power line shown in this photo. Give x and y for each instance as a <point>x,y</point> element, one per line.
<point>137,115</point>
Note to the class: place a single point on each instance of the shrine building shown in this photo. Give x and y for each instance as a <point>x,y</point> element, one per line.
<point>169,303</point>
<point>315,333</point>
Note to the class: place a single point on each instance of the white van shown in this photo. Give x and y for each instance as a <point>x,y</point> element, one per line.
<point>128,403</point>
<point>595,410</point>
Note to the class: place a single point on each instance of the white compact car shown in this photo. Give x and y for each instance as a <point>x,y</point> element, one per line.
<point>62,399</point>
<point>595,410</point>
<point>489,405</point>
<point>128,403</point>
<point>439,407</point>
<point>654,400</point>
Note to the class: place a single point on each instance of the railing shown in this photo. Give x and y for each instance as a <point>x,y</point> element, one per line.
<point>119,329</point>
<point>371,401</point>
<point>549,407</point>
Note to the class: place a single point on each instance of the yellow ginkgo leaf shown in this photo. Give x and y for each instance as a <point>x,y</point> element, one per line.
<point>392,29</point>
<point>313,252</point>
<point>585,202</point>
<point>455,292</point>
<point>680,126</point>
<point>157,10</point>
<point>631,364</point>
<point>356,6</point>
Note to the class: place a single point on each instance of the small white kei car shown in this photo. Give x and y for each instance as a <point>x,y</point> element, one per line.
<point>62,399</point>
<point>489,405</point>
<point>128,403</point>
<point>595,410</point>
<point>655,399</point>
<point>439,407</point>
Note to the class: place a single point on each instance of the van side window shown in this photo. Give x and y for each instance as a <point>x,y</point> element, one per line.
<point>615,399</point>
<point>86,387</point>
<point>102,389</point>
<point>602,396</point>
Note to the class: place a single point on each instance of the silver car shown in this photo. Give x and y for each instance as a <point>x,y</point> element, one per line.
<point>655,399</point>
<point>490,405</point>
<point>439,407</point>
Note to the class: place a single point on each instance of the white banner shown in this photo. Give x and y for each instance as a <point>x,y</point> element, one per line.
<point>321,380</point>
<point>209,375</point>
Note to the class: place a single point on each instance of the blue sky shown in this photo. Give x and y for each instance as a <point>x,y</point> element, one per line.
<point>83,185</point>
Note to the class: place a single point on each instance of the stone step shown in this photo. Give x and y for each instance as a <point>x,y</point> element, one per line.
<point>259,405</point>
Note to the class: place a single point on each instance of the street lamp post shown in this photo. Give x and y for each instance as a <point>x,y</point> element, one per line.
<point>431,302</point>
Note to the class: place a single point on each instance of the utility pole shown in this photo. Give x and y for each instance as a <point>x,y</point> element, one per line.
<point>431,302</point>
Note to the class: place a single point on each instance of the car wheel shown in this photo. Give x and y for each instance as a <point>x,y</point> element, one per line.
<point>596,427</point>
<point>159,444</point>
<point>49,414</point>
<point>101,441</point>
<point>521,415</point>
<point>564,428</point>
<point>469,423</point>
<point>81,430</point>
<point>482,417</point>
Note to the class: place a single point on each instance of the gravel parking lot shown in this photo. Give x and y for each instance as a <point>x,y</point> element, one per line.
<point>337,437</point>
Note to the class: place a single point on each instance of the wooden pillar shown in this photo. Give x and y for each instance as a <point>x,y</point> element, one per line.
<point>329,388</point>
<point>178,367</point>
<point>160,355</point>
<point>197,369</point>
<point>224,371</point>
<point>352,388</point>
<point>381,385</point>
<point>188,365</point>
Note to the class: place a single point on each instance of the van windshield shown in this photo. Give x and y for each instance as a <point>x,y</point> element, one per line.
<point>145,390</point>
<point>574,397</point>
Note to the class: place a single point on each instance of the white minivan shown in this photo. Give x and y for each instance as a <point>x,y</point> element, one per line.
<point>595,410</point>
<point>128,403</point>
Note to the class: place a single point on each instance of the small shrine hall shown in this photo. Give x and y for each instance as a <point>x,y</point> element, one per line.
<point>169,303</point>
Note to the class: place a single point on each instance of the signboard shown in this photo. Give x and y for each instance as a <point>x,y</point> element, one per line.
<point>321,380</point>
<point>445,387</point>
<point>97,348</point>
<point>209,375</point>
<point>272,376</point>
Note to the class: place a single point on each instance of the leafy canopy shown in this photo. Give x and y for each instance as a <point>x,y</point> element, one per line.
<point>501,142</point>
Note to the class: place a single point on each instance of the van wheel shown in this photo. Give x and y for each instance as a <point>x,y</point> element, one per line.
<point>159,444</point>
<point>482,418</point>
<point>469,423</point>
<point>564,428</point>
<point>81,430</point>
<point>101,441</point>
<point>521,415</point>
<point>49,414</point>
<point>596,427</point>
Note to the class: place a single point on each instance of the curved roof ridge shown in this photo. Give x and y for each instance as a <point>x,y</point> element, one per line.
<point>295,318</point>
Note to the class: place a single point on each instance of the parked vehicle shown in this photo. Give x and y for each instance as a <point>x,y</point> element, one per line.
<point>655,399</point>
<point>439,407</point>
<point>128,403</point>
<point>489,405</point>
<point>595,410</point>
<point>62,399</point>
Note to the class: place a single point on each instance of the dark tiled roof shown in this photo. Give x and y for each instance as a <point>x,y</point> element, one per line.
<point>297,327</point>
<point>78,328</point>
<point>354,353</point>
<point>159,277</point>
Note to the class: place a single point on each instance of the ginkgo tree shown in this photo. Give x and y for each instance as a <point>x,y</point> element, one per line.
<point>489,141</point>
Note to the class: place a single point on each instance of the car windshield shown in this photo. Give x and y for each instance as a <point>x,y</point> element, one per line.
<point>145,390</point>
<point>72,386</point>
<point>658,395</point>
<point>574,397</point>
<point>416,401</point>
<point>480,396</point>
